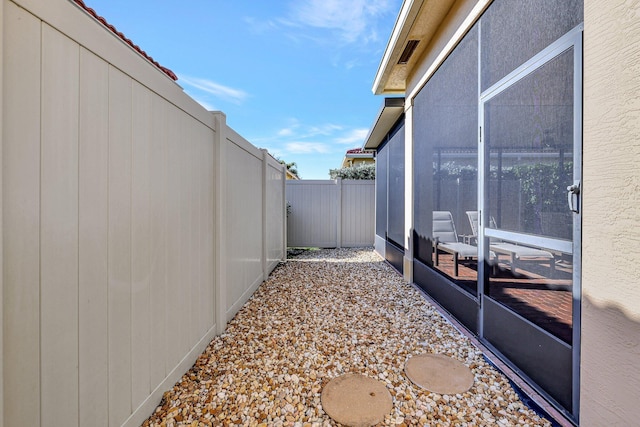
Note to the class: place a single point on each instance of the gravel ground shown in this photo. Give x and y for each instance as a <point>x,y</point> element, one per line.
<point>323,314</point>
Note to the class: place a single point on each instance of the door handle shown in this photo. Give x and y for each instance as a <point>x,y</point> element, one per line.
<point>573,194</point>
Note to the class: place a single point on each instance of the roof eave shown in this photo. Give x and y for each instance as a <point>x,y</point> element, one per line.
<point>408,12</point>
<point>390,112</point>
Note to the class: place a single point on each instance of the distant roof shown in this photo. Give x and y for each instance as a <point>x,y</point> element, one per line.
<point>135,47</point>
<point>291,175</point>
<point>358,151</point>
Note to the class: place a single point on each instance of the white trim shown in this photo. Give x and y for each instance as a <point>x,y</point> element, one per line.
<point>564,43</point>
<point>380,246</point>
<point>391,110</point>
<point>2,29</point>
<point>401,20</point>
<point>578,93</point>
<point>565,246</point>
<point>408,195</point>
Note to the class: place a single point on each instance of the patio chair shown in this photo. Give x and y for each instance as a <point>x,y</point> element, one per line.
<point>446,240</point>
<point>517,253</point>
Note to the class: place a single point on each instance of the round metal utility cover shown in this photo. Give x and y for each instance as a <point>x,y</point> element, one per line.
<point>439,374</point>
<point>355,400</point>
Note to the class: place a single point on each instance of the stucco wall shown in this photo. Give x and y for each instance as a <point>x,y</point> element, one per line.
<point>610,388</point>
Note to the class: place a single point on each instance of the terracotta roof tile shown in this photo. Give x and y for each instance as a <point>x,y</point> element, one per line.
<point>358,151</point>
<point>113,29</point>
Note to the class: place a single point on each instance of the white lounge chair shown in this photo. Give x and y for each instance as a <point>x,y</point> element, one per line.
<point>446,240</point>
<point>516,253</point>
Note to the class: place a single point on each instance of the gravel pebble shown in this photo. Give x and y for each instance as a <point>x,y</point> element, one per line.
<point>323,314</point>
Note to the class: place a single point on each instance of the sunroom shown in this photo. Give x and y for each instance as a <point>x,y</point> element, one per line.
<point>479,172</point>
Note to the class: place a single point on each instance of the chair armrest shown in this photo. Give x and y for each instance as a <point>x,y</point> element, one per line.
<point>468,238</point>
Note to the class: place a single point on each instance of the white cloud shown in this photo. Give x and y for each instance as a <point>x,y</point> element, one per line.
<point>285,132</point>
<point>302,139</point>
<point>351,64</point>
<point>306,147</point>
<point>299,131</point>
<point>354,136</point>
<point>227,93</point>
<point>354,19</point>
<point>260,26</point>
<point>290,130</point>
<point>324,130</point>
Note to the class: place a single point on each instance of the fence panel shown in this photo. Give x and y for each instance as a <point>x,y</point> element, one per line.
<point>358,213</point>
<point>243,213</point>
<point>327,214</point>
<point>21,216</point>
<point>93,238</point>
<point>275,209</point>
<point>313,218</point>
<point>112,265</point>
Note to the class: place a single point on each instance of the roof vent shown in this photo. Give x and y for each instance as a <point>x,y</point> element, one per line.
<point>408,51</point>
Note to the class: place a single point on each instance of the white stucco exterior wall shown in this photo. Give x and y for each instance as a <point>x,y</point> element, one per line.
<point>610,380</point>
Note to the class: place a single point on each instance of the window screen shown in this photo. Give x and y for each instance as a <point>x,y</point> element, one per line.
<point>515,30</point>
<point>381,190</point>
<point>445,141</point>
<point>395,208</point>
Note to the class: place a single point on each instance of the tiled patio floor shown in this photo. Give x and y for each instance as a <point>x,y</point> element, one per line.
<point>321,315</point>
<point>543,301</point>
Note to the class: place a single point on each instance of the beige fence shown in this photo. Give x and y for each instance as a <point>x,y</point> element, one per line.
<point>134,222</point>
<point>327,214</point>
<point>252,225</point>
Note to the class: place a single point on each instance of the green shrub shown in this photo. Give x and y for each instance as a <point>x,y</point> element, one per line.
<point>367,171</point>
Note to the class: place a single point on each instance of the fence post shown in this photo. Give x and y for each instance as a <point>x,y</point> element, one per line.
<point>220,233</point>
<point>339,213</point>
<point>1,222</point>
<point>285,216</point>
<point>265,224</point>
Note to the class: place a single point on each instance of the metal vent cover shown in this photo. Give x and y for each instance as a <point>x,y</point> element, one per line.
<point>408,51</point>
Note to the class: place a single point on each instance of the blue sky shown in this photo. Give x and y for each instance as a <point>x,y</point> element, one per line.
<point>292,76</point>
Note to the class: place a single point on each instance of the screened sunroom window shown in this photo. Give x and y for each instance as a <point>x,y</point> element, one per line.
<point>396,187</point>
<point>446,142</point>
